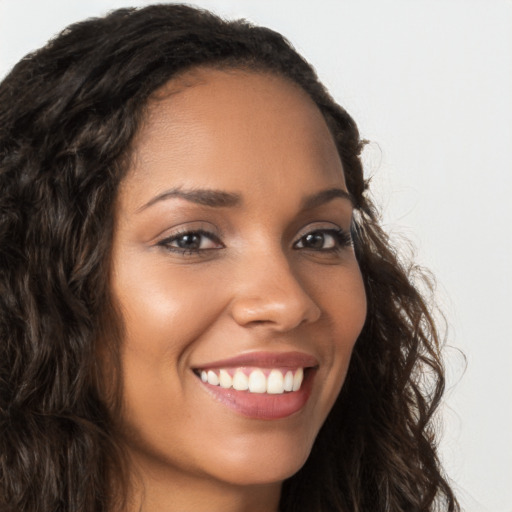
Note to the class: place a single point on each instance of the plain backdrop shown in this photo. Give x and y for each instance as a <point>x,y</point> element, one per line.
<point>430,85</point>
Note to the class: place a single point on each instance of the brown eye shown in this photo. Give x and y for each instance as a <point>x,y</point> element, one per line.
<point>324,240</point>
<point>317,240</point>
<point>191,242</point>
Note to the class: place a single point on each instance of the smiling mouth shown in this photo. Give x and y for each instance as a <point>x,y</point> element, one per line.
<point>259,393</point>
<point>260,385</point>
<point>272,381</point>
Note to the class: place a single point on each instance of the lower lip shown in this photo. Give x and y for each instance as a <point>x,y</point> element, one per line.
<point>264,406</point>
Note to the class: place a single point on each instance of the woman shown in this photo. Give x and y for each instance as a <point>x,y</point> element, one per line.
<point>199,308</point>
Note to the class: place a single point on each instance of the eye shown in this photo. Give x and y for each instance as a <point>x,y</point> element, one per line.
<point>189,242</point>
<point>324,240</point>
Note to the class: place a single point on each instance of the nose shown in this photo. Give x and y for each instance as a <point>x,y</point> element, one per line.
<point>269,293</point>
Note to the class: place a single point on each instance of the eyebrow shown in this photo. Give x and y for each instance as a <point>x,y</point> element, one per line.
<point>325,196</point>
<point>205,197</point>
<point>222,199</point>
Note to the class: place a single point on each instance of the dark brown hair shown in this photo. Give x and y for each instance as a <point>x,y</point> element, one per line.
<point>68,114</point>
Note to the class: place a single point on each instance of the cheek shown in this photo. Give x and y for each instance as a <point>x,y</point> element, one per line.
<point>343,300</point>
<point>351,307</point>
<point>341,296</point>
<point>165,310</point>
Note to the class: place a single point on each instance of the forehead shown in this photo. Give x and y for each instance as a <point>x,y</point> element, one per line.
<point>231,129</point>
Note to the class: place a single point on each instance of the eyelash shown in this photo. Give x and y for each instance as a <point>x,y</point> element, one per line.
<point>166,243</point>
<point>341,238</point>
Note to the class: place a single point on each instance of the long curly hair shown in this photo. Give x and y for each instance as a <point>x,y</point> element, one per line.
<point>68,115</point>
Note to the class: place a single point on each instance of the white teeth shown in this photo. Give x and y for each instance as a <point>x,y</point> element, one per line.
<point>213,378</point>
<point>256,382</point>
<point>297,379</point>
<point>288,381</point>
<point>240,381</point>
<point>225,379</point>
<point>275,383</point>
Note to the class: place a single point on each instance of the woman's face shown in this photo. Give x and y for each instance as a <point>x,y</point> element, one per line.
<point>233,268</point>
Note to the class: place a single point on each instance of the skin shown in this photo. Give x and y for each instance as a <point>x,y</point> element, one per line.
<point>255,285</point>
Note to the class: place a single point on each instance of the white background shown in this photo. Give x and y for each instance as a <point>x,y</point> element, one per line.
<point>430,84</point>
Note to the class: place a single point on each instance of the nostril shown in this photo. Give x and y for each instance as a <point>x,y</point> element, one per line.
<point>281,312</point>
<point>268,293</point>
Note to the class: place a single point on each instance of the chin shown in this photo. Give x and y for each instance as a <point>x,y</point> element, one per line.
<point>265,462</point>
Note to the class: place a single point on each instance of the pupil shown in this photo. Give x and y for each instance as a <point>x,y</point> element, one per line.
<point>315,240</point>
<point>190,241</point>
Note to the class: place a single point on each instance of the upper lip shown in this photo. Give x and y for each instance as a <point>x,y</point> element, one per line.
<point>266,360</point>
